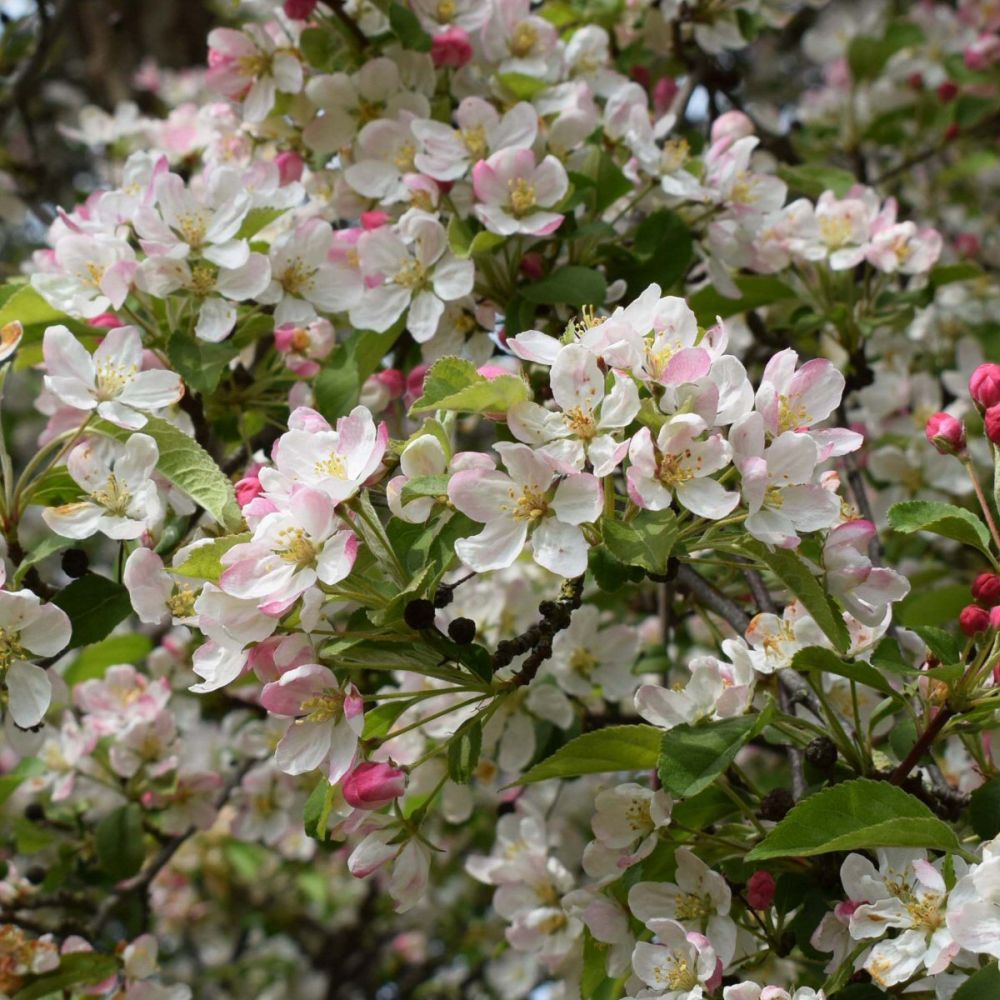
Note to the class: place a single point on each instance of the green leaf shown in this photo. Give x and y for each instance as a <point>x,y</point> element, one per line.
<point>570,285</point>
<point>204,561</point>
<point>663,248</point>
<point>200,364</point>
<point>95,605</point>
<point>379,720</point>
<point>812,179</point>
<point>801,581</point>
<point>118,838</point>
<point>463,243</point>
<point>943,519</point>
<point>521,85</point>
<point>257,218</point>
<point>867,56</point>
<point>29,767</point>
<point>945,646</point>
<point>463,751</point>
<point>426,486</point>
<point>54,488</point>
<point>29,309</point>
<point>454,384</point>
<point>407,29</point>
<point>338,385</point>
<point>855,815</point>
<point>94,661</point>
<point>693,756</point>
<point>614,748</point>
<point>48,546</point>
<point>939,606</point>
<point>822,659</point>
<point>754,292</point>
<point>982,985</point>
<point>984,810</point>
<point>316,811</point>
<point>188,466</point>
<point>319,46</point>
<point>611,183</point>
<point>647,540</point>
<point>78,968</point>
<point>609,572</point>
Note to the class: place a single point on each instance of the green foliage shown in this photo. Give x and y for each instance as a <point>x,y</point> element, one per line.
<point>95,605</point>
<point>646,541</point>
<point>942,519</point>
<point>570,285</point>
<point>79,968</point>
<point>614,748</point>
<point>855,815</point>
<point>118,838</point>
<point>454,384</point>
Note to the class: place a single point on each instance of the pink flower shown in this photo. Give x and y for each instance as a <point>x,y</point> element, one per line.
<point>326,720</point>
<point>247,489</point>
<point>451,48</point>
<point>514,194</point>
<point>300,10</point>
<point>539,497</point>
<point>991,420</point>
<point>792,400</point>
<point>864,589</point>
<point>370,785</point>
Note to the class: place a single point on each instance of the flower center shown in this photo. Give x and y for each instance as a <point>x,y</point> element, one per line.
<point>256,64</point>
<point>297,276</point>
<point>690,906</point>
<point>791,415</point>
<point>475,141</point>
<point>530,506</point>
<point>522,196</point>
<point>672,471</point>
<point>445,10</point>
<point>637,815</point>
<point>581,422</point>
<point>114,497</point>
<point>582,661</point>
<point>523,39</point>
<point>192,226</point>
<point>181,603</point>
<point>10,648</point>
<point>112,378</point>
<point>333,465</point>
<point>674,155</point>
<point>411,275</point>
<point>297,547</point>
<point>675,973</point>
<point>94,274</point>
<point>322,707</point>
<point>202,279</point>
<point>404,158</point>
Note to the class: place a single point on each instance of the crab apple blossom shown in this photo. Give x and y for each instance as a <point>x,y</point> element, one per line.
<point>121,499</point>
<point>28,628</point>
<point>91,273</point>
<point>516,194</point>
<point>111,381</point>
<point>984,386</point>
<point>946,433</point>
<point>536,501</point>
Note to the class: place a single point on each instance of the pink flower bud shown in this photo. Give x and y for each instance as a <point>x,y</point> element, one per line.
<point>374,219</point>
<point>967,244</point>
<point>641,75</point>
<point>300,10</point>
<point>991,420</point>
<point>532,265</point>
<point>289,166</point>
<point>105,321</point>
<point>290,337</point>
<point>946,433</point>
<point>760,890</point>
<point>995,618</point>
<point>731,126</point>
<point>492,371</point>
<point>371,785</point>
<point>664,93</point>
<point>986,589</point>
<point>246,489</point>
<point>947,91</point>
<point>451,48</point>
<point>394,382</point>
<point>415,383</point>
<point>973,619</point>
<point>984,385</point>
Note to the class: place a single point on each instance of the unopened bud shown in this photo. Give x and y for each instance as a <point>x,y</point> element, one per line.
<point>760,890</point>
<point>370,785</point>
<point>946,433</point>
<point>973,619</point>
<point>984,385</point>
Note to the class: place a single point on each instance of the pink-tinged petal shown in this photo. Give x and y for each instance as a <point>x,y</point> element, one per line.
<point>527,467</point>
<point>686,365</point>
<point>707,498</point>
<point>482,494</point>
<point>819,386</point>
<point>152,390</point>
<point>486,184</point>
<point>343,747</point>
<point>560,548</point>
<point>773,527</point>
<point>535,346</point>
<point>122,348</point>
<point>578,499</point>
<point>149,586</point>
<point>754,481</point>
<point>540,223</point>
<point>550,182</point>
<point>497,546</point>
<point>66,358</point>
<point>337,559</point>
<point>312,510</point>
<point>303,747</point>
<point>286,695</point>
<point>576,379</point>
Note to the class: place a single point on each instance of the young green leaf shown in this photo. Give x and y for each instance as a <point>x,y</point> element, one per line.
<point>855,815</point>
<point>943,519</point>
<point>615,748</point>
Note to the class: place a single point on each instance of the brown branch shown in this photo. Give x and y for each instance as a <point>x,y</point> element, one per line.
<point>922,745</point>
